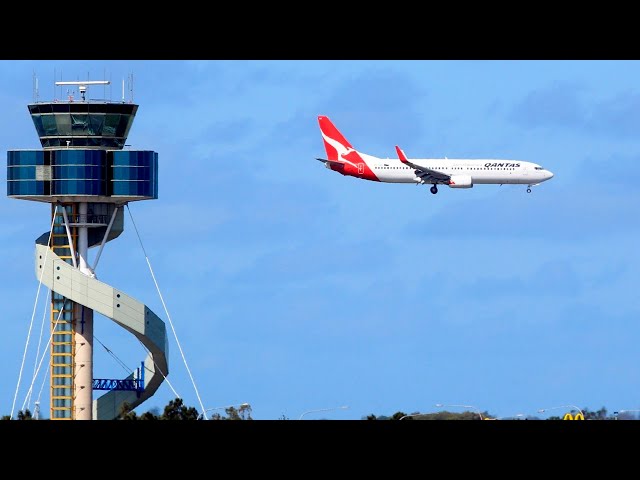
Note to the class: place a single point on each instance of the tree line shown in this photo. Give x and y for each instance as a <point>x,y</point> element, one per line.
<point>177,410</point>
<point>601,414</point>
<point>174,410</point>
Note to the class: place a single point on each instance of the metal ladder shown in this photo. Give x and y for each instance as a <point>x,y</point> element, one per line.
<point>62,326</point>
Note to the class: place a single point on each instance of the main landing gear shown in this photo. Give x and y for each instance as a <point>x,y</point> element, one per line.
<point>434,189</point>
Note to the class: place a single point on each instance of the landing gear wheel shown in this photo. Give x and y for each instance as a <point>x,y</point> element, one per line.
<point>434,189</point>
<point>528,190</point>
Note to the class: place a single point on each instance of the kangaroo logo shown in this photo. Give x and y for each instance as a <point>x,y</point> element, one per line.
<point>343,151</point>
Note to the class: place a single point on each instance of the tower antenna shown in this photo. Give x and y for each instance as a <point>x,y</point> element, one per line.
<point>131,88</point>
<point>35,87</point>
<point>83,85</point>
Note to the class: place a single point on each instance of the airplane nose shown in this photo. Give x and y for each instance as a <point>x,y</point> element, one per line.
<point>549,175</point>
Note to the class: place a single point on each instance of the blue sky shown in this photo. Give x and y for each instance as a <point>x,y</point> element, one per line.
<point>294,289</point>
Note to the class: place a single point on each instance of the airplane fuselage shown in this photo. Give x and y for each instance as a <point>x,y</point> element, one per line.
<point>456,173</point>
<point>481,171</point>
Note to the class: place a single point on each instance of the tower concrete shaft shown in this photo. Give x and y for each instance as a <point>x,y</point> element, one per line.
<point>83,363</point>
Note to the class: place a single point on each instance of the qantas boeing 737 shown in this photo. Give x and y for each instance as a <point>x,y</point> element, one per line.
<point>456,173</point>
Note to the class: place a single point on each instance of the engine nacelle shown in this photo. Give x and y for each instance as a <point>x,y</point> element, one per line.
<point>461,181</point>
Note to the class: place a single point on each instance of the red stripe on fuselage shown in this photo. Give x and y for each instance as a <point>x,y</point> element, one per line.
<point>355,166</point>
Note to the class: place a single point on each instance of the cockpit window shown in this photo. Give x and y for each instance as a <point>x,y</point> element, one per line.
<point>539,168</point>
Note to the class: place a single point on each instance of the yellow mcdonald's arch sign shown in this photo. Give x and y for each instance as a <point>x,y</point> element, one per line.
<point>568,416</point>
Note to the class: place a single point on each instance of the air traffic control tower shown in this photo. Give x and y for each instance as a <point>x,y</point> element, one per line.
<point>86,175</point>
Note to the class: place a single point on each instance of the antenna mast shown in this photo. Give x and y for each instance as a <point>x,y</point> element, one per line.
<point>131,88</point>
<point>35,88</point>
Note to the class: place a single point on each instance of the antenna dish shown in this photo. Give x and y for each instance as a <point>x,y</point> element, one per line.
<point>82,85</point>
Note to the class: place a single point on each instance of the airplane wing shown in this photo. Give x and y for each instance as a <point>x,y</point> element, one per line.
<point>425,173</point>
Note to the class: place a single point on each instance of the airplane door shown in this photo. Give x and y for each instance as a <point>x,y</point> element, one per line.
<point>360,168</point>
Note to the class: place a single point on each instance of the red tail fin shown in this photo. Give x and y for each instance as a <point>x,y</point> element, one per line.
<point>334,142</point>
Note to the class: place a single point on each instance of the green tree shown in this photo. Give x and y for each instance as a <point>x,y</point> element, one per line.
<point>398,415</point>
<point>176,410</point>
<point>126,413</point>
<point>148,416</point>
<point>232,413</point>
<point>242,413</point>
<point>26,415</point>
<point>597,415</point>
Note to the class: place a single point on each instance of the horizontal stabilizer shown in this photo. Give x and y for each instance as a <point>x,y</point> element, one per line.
<point>329,162</point>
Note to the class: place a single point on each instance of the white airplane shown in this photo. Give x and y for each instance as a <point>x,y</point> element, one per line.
<point>456,173</point>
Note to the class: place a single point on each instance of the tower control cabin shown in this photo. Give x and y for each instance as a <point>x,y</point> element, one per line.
<point>87,176</point>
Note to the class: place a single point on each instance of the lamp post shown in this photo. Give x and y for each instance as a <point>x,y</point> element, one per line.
<point>203,414</point>
<point>462,406</point>
<point>322,410</point>
<point>573,407</point>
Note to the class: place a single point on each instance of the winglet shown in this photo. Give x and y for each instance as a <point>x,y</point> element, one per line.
<point>401,155</point>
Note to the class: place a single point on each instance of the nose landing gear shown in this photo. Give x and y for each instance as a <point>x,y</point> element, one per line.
<point>434,189</point>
